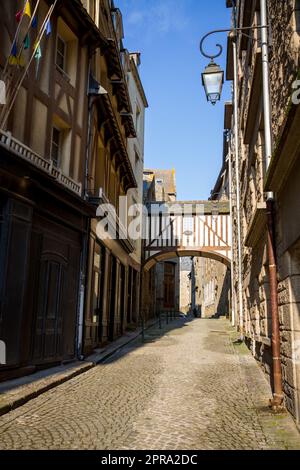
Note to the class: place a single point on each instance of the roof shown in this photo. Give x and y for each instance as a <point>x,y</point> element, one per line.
<point>167,177</point>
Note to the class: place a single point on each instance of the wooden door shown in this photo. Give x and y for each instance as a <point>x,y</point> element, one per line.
<point>169,285</point>
<point>112,298</point>
<point>49,321</point>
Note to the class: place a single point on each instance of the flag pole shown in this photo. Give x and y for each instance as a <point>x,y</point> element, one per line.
<point>15,39</point>
<point>37,43</point>
<point>29,26</point>
<point>10,83</point>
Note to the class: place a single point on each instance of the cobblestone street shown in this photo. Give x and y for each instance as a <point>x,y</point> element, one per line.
<point>190,386</point>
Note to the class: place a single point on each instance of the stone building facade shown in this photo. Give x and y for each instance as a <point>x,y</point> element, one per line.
<point>43,214</point>
<point>186,287</point>
<point>114,179</point>
<point>161,283</point>
<point>66,146</point>
<point>281,178</point>
<point>212,288</point>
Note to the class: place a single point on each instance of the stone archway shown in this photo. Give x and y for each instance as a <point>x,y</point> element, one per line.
<point>149,274</point>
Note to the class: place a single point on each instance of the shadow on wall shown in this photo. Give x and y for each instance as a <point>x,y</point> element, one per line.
<point>224,305</point>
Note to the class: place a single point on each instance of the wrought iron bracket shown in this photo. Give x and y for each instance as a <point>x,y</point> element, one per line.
<point>233,32</point>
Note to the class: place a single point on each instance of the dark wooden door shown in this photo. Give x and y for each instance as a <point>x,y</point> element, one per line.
<point>169,285</point>
<point>129,296</point>
<point>49,321</point>
<point>112,299</point>
<point>122,296</point>
<point>55,272</point>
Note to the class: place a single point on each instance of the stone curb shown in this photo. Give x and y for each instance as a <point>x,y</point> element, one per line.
<point>13,403</point>
<point>44,385</point>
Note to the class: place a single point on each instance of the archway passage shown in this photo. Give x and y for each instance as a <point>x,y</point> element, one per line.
<point>183,229</point>
<point>167,254</point>
<point>187,228</point>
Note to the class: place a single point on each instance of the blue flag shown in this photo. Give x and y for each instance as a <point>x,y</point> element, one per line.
<point>14,51</point>
<point>48,28</point>
<point>34,23</point>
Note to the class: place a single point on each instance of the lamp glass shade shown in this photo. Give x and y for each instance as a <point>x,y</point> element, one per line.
<point>212,80</point>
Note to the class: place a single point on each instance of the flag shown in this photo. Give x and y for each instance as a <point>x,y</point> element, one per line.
<point>48,28</point>
<point>38,53</point>
<point>26,42</point>
<point>19,16</point>
<point>13,59</point>
<point>34,23</point>
<point>27,9</point>
<point>14,50</point>
<point>37,56</point>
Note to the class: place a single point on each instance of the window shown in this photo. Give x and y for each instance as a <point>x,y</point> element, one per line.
<point>61,53</point>
<point>138,119</point>
<point>188,225</point>
<point>66,54</point>
<point>137,158</point>
<point>55,146</point>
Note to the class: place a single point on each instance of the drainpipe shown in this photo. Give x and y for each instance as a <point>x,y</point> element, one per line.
<point>277,374</point>
<point>82,290</point>
<point>228,159</point>
<point>238,191</point>
<point>273,276</point>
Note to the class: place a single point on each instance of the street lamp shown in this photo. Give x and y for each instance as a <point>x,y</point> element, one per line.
<point>213,80</point>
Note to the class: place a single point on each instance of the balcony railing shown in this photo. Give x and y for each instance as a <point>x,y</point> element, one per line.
<point>18,148</point>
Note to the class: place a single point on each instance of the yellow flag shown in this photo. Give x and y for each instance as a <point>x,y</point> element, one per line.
<point>20,60</point>
<point>27,9</point>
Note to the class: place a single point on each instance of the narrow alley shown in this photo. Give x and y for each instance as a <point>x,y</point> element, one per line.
<point>191,385</point>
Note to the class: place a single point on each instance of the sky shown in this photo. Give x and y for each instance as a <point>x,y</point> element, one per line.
<point>182,131</point>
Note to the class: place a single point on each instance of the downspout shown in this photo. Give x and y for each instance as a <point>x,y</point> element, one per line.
<point>233,306</point>
<point>277,374</point>
<point>82,290</point>
<point>84,255</point>
<point>237,176</point>
<point>277,400</point>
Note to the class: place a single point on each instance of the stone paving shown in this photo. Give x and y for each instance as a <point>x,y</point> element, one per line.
<point>190,386</point>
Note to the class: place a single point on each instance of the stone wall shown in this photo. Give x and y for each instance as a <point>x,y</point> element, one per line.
<point>254,182</point>
<point>212,280</point>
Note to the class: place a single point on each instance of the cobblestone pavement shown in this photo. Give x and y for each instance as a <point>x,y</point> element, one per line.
<point>190,386</point>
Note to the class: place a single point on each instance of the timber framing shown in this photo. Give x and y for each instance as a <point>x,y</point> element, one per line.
<point>115,133</point>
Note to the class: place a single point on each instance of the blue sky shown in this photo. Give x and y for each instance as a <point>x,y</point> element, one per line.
<point>182,130</point>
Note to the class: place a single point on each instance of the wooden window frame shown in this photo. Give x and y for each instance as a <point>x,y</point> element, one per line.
<point>58,160</point>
